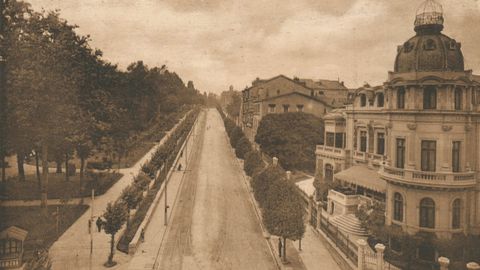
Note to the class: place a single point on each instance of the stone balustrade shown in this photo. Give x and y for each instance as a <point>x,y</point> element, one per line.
<point>461,179</point>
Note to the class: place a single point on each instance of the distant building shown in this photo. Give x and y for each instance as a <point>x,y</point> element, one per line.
<point>333,92</point>
<point>279,94</point>
<point>412,144</point>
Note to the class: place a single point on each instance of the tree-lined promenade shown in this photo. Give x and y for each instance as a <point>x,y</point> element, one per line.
<point>64,101</point>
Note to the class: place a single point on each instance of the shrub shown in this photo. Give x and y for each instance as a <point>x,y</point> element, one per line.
<point>99,165</point>
<point>253,162</point>
<point>243,147</point>
<point>235,135</point>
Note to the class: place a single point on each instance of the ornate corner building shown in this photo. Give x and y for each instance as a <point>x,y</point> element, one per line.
<point>412,143</point>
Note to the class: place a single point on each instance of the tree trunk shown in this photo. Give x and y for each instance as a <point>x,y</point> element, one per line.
<point>66,167</point>
<point>59,166</point>
<point>4,176</point>
<point>37,169</point>
<point>82,166</point>
<point>119,160</point>
<point>44,184</point>
<point>284,248</point>
<point>112,244</point>
<point>21,170</point>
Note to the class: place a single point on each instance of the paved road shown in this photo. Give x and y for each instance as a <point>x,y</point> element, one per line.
<point>213,225</point>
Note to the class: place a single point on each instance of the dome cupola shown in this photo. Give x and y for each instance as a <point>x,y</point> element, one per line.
<point>429,49</point>
<point>429,17</point>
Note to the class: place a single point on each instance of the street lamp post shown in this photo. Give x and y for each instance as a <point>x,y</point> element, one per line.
<point>166,184</point>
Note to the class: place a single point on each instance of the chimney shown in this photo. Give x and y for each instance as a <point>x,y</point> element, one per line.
<point>289,175</point>
<point>275,161</point>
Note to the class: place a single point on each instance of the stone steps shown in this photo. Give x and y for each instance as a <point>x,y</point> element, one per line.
<point>349,224</point>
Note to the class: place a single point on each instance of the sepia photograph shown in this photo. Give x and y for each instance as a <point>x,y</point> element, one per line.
<point>239,135</point>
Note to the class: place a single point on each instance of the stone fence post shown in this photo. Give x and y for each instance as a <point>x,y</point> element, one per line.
<point>361,254</point>
<point>274,161</point>
<point>380,248</point>
<point>473,266</point>
<point>444,262</point>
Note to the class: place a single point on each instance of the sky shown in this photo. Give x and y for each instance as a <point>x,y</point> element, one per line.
<point>218,43</point>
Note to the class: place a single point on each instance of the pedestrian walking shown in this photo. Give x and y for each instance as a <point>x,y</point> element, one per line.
<point>179,167</point>
<point>99,224</point>
<point>89,225</point>
<point>280,246</point>
<point>142,235</point>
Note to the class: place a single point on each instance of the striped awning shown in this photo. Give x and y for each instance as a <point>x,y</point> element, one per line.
<point>362,176</point>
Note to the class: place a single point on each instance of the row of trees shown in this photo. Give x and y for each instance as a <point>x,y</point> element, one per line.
<point>63,99</point>
<point>282,207</point>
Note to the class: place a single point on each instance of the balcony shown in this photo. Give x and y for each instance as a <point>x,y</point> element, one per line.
<point>443,179</point>
<point>330,152</point>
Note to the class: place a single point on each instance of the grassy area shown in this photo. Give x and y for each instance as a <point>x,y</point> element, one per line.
<point>41,226</point>
<point>58,188</point>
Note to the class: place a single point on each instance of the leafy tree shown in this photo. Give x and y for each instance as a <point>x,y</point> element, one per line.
<point>233,108</point>
<point>372,217</point>
<point>262,182</point>
<point>284,212</point>
<point>115,216</point>
<point>253,162</point>
<point>235,135</point>
<point>242,147</point>
<point>229,125</point>
<point>132,196</point>
<point>292,138</point>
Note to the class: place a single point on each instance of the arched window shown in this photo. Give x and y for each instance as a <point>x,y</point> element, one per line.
<point>427,213</point>
<point>458,99</point>
<point>430,97</point>
<point>363,100</point>
<point>328,173</point>
<point>397,207</point>
<point>456,213</point>
<point>380,100</point>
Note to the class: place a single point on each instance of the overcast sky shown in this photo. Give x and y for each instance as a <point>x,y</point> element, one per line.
<point>217,43</point>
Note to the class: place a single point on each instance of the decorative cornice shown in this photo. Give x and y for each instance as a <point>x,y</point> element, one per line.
<point>468,127</point>
<point>412,126</point>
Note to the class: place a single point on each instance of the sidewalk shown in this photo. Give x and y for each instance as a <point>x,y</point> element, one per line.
<point>72,249</point>
<point>314,254</point>
<point>147,252</point>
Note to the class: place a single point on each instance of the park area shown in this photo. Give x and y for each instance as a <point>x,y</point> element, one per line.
<point>58,187</point>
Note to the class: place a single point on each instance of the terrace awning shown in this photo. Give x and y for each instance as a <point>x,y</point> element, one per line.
<point>362,176</point>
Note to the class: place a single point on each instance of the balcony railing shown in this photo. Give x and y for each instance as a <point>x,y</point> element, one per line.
<point>429,178</point>
<point>330,151</point>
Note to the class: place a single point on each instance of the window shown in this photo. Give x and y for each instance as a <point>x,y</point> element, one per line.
<point>271,108</point>
<point>285,107</point>
<point>330,139</point>
<point>363,141</point>
<point>380,100</point>
<point>429,45</point>
<point>427,213</point>
<point>321,93</point>
<point>311,93</point>
<point>339,140</point>
<point>455,156</point>
<point>401,98</point>
<point>363,100</point>
<point>456,213</point>
<point>458,99</point>
<point>400,159</point>
<point>328,173</point>
<point>429,98</point>
<point>380,143</point>
<point>397,207</point>
<point>429,151</point>
<point>300,108</point>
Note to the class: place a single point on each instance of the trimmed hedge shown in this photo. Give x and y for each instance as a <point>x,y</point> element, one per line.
<point>165,155</point>
<point>253,163</point>
<point>242,147</point>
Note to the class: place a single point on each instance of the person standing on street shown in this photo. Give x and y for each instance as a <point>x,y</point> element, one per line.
<point>280,246</point>
<point>99,224</point>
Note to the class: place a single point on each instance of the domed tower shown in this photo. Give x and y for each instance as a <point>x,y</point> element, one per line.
<point>431,132</point>
<point>429,49</point>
